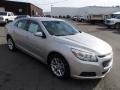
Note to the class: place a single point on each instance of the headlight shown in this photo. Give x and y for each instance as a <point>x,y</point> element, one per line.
<point>85,56</point>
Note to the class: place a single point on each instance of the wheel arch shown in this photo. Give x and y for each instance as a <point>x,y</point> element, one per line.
<point>55,52</point>
<point>67,63</point>
<point>8,36</point>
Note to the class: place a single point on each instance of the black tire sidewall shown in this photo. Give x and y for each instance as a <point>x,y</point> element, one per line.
<point>117,26</point>
<point>109,27</point>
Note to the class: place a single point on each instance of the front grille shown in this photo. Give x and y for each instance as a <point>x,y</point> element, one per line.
<point>106,63</point>
<point>103,56</point>
<point>106,59</point>
<point>88,74</point>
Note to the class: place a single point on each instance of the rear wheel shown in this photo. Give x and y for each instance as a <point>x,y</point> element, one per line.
<point>117,26</point>
<point>109,27</point>
<point>10,44</point>
<point>58,66</point>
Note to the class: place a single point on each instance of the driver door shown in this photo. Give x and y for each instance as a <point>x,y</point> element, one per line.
<point>36,45</point>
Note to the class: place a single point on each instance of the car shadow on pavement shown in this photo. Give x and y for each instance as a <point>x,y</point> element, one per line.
<point>104,29</point>
<point>78,23</point>
<point>22,72</point>
<point>1,24</point>
<point>116,32</point>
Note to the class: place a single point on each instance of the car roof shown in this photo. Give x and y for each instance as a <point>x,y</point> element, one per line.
<point>45,19</point>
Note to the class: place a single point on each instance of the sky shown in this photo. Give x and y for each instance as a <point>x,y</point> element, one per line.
<point>46,4</point>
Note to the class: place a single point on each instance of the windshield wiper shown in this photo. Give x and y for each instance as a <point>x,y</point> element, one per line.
<point>60,35</point>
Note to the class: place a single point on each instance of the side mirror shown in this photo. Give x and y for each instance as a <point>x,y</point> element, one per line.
<point>40,34</point>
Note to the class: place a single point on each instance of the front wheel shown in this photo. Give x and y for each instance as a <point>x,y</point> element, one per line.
<point>117,26</point>
<point>59,66</point>
<point>82,20</point>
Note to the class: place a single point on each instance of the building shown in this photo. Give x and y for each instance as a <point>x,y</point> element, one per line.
<point>21,8</point>
<point>83,11</point>
<point>47,13</point>
<point>97,10</point>
<point>64,11</point>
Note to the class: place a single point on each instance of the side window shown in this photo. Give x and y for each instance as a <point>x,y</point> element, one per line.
<point>9,14</point>
<point>21,24</point>
<point>12,14</point>
<point>34,27</point>
<point>118,17</point>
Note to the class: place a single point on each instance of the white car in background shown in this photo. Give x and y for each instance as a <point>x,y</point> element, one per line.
<point>81,19</point>
<point>6,17</point>
<point>113,22</point>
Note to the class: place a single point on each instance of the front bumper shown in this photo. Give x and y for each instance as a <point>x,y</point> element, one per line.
<point>91,70</point>
<point>109,23</point>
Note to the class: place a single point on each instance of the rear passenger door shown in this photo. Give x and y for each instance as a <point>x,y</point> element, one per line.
<point>20,33</point>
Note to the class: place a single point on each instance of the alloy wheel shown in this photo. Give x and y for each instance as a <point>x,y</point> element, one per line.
<point>57,67</point>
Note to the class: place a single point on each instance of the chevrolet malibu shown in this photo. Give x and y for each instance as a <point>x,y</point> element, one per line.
<point>58,44</point>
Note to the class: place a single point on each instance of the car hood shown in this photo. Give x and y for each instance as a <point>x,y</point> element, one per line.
<point>86,41</point>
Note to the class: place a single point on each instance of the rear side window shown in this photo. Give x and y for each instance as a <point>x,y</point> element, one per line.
<point>21,24</point>
<point>3,13</point>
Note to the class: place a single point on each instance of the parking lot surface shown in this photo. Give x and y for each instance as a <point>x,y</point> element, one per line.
<point>19,71</point>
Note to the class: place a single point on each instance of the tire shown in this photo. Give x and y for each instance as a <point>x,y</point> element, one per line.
<point>82,20</point>
<point>11,44</point>
<point>109,27</point>
<point>59,67</point>
<point>117,26</point>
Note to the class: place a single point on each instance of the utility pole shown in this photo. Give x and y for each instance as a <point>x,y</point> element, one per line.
<point>51,3</point>
<point>51,9</point>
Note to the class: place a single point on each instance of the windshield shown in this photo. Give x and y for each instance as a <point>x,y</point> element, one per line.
<point>59,28</point>
<point>3,13</point>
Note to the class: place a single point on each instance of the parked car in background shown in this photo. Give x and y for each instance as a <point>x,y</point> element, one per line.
<point>113,23</point>
<point>74,18</point>
<point>81,18</point>
<point>21,16</point>
<point>6,17</point>
<point>67,51</point>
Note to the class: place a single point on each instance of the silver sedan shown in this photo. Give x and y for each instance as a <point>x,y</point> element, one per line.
<point>67,51</point>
